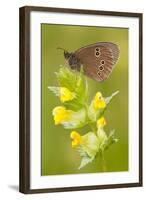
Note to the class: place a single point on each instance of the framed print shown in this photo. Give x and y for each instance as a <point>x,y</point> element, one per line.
<point>80,99</point>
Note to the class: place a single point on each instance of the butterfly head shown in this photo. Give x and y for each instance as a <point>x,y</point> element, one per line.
<point>67,55</point>
<point>71,59</point>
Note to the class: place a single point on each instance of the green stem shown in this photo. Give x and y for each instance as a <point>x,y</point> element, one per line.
<point>93,127</point>
<point>91,124</point>
<point>87,119</point>
<point>103,163</point>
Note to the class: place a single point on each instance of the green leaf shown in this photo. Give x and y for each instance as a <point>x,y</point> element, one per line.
<point>108,99</point>
<point>66,78</point>
<point>74,105</point>
<point>85,161</point>
<point>90,144</point>
<point>92,113</point>
<point>81,87</point>
<point>81,152</point>
<point>85,158</point>
<point>110,140</point>
<point>93,145</point>
<point>102,137</point>
<point>75,82</point>
<point>77,120</point>
<point>55,90</point>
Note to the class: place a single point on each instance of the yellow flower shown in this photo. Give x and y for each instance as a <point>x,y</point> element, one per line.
<point>99,101</point>
<point>101,122</point>
<point>66,94</point>
<point>61,114</point>
<point>76,139</point>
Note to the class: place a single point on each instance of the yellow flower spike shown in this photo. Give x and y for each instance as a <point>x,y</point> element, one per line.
<point>99,101</point>
<point>76,139</point>
<point>101,122</point>
<point>61,114</point>
<point>66,94</point>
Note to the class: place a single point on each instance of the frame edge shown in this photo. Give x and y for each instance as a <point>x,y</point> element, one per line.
<point>24,101</point>
<point>141,100</point>
<point>81,11</point>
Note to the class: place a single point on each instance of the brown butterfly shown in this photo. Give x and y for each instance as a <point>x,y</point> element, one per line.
<point>98,59</point>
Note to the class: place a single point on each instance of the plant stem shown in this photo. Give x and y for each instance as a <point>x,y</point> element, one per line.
<point>103,163</point>
<point>93,127</point>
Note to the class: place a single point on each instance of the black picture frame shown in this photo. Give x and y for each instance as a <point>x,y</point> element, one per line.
<point>24,142</point>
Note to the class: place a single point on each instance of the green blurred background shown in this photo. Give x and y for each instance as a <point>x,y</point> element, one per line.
<point>58,157</point>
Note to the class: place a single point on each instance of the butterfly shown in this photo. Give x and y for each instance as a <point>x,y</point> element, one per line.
<point>98,60</point>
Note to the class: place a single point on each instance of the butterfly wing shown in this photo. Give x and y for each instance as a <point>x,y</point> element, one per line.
<point>98,59</point>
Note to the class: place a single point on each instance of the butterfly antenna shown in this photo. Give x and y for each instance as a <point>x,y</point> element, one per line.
<point>61,48</point>
<point>66,53</point>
